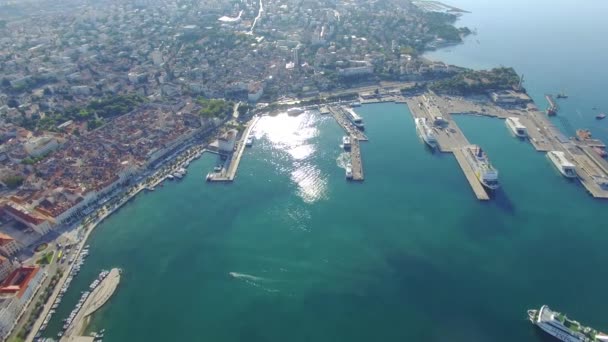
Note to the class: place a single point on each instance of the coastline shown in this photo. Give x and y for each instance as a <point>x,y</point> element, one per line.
<point>141,186</point>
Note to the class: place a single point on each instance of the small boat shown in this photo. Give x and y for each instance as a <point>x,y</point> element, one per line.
<point>562,96</point>
<point>600,116</point>
<point>218,168</point>
<point>209,177</point>
<point>349,171</point>
<point>346,142</point>
<point>249,141</point>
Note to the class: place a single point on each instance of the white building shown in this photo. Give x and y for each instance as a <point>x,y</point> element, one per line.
<point>17,212</point>
<point>15,293</point>
<point>227,141</point>
<point>8,245</point>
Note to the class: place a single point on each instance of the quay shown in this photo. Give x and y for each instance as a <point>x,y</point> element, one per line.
<point>355,160</point>
<point>100,295</point>
<point>228,174</point>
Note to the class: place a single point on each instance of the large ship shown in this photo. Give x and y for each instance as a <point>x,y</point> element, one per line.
<point>563,165</point>
<point>295,111</point>
<point>425,132</point>
<point>484,171</point>
<point>516,127</point>
<point>346,142</point>
<point>561,327</point>
<point>355,118</point>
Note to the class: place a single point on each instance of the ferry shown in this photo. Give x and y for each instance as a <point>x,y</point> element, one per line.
<point>425,132</point>
<point>346,142</point>
<point>249,141</point>
<point>561,327</point>
<point>349,171</point>
<point>295,111</point>
<point>355,118</point>
<point>565,167</point>
<point>484,171</point>
<point>516,127</point>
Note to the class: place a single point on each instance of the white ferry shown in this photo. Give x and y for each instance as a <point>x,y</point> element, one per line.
<point>425,132</point>
<point>516,127</point>
<point>349,171</point>
<point>561,327</point>
<point>484,171</point>
<point>346,142</point>
<point>295,111</point>
<point>563,165</point>
<point>355,118</point>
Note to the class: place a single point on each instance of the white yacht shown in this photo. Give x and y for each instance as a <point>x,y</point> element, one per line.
<point>249,141</point>
<point>346,142</point>
<point>425,132</point>
<point>484,171</point>
<point>516,127</point>
<point>563,165</point>
<point>561,327</point>
<point>349,171</point>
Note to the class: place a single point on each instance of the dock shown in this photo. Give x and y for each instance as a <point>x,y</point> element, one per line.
<point>100,295</point>
<point>342,119</point>
<point>233,161</point>
<point>478,189</point>
<point>356,161</point>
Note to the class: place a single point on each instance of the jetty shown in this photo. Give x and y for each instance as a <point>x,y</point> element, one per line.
<point>478,189</point>
<point>228,173</point>
<point>356,161</point>
<point>100,295</point>
<point>339,114</point>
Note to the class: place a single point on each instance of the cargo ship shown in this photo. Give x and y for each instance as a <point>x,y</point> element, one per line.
<point>484,171</point>
<point>561,327</point>
<point>563,165</point>
<point>516,127</point>
<point>425,132</point>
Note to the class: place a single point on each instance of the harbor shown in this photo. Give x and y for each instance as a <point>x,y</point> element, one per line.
<point>102,289</point>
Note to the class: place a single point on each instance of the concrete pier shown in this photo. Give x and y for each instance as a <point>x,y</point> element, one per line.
<point>96,300</point>
<point>233,161</point>
<point>355,160</point>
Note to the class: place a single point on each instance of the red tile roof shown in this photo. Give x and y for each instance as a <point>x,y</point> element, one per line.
<point>18,280</point>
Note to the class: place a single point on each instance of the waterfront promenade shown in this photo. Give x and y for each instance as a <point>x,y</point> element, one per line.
<point>98,297</point>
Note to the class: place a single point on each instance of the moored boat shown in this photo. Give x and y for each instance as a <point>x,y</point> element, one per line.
<point>561,327</point>
<point>516,127</point>
<point>349,171</point>
<point>563,165</point>
<point>346,142</point>
<point>295,111</point>
<point>425,132</point>
<point>483,169</point>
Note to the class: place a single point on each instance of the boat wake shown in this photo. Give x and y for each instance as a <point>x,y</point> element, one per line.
<point>343,160</point>
<point>253,281</point>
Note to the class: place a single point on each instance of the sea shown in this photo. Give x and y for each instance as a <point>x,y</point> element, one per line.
<point>291,251</point>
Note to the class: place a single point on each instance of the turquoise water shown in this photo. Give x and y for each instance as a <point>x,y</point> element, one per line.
<point>291,251</point>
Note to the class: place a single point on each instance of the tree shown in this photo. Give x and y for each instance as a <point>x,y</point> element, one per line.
<point>13,181</point>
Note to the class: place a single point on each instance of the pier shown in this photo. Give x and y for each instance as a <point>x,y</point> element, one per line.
<point>233,161</point>
<point>100,295</point>
<point>355,160</point>
<point>342,119</point>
